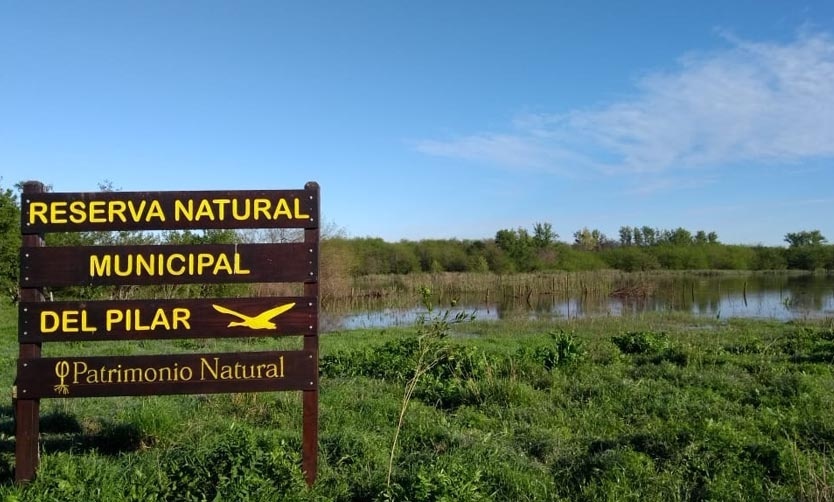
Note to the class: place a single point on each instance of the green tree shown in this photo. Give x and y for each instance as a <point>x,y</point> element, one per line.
<point>373,256</point>
<point>519,247</point>
<point>630,259</point>
<point>806,250</point>
<point>806,257</point>
<point>543,235</point>
<point>805,238</point>
<point>476,252</point>
<point>673,257</point>
<point>10,241</point>
<point>769,258</point>
<point>730,257</point>
<point>679,237</point>
<point>712,238</point>
<point>589,240</point>
<point>497,259</point>
<point>639,239</point>
<point>573,259</point>
<point>649,236</point>
<point>626,236</point>
<point>435,255</point>
<point>404,258</point>
<point>829,259</point>
<point>479,264</point>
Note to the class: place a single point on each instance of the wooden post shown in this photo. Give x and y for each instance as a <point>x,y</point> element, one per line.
<point>27,411</point>
<point>310,398</point>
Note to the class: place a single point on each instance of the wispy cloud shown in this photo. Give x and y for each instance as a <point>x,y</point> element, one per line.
<point>667,183</point>
<point>807,202</point>
<point>758,207</point>
<point>518,150</point>
<point>750,103</point>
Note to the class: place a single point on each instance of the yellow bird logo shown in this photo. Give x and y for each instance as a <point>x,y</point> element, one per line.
<point>261,321</point>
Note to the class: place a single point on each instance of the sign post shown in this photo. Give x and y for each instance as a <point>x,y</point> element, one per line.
<point>27,409</point>
<point>148,319</point>
<point>310,397</point>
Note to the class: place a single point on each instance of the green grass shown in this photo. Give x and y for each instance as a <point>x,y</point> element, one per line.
<point>656,407</point>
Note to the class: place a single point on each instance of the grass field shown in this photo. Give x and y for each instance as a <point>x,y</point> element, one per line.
<point>656,407</point>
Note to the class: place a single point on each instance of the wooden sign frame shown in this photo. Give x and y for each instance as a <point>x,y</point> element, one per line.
<point>105,376</point>
<point>140,319</point>
<point>168,264</point>
<point>93,211</point>
<point>110,320</point>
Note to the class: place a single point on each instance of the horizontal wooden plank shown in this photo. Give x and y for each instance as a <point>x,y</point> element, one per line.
<point>169,264</point>
<point>99,211</point>
<point>166,374</point>
<point>165,319</point>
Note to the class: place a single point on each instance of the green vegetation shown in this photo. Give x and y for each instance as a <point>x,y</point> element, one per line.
<point>654,407</point>
<point>345,260</point>
<point>432,330</point>
<point>9,242</point>
<point>638,249</point>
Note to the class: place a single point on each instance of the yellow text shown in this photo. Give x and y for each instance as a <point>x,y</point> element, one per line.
<point>96,211</point>
<point>162,264</point>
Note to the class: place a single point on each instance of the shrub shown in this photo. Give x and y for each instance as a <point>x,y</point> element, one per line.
<point>391,361</point>
<point>565,349</point>
<point>241,465</point>
<point>641,342</point>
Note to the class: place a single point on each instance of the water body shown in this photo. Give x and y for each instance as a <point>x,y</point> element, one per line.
<point>758,296</point>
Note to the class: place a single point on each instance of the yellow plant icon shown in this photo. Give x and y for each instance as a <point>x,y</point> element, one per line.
<point>62,370</point>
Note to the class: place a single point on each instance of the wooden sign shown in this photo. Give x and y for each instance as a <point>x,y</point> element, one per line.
<point>140,319</point>
<point>166,319</point>
<point>75,212</point>
<point>166,374</point>
<point>187,264</point>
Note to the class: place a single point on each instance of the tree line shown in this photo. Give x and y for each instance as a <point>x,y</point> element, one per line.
<point>637,248</point>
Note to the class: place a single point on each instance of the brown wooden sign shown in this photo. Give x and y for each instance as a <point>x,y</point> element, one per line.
<point>73,212</point>
<point>187,264</point>
<point>165,374</point>
<point>139,319</point>
<point>165,319</point>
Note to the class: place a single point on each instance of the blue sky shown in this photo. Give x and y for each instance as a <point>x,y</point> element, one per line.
<point>438,119</point>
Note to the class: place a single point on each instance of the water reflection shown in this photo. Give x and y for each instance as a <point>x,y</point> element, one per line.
<point>782,297</point>
<point>394,317</point>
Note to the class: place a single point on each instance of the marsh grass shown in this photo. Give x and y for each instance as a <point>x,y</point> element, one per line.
<point>520,409</point>
<point>399,289</point>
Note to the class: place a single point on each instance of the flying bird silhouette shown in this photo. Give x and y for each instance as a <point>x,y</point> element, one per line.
<point>260,321</point>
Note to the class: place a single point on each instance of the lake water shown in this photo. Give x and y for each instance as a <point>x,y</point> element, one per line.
<point>759,296</point>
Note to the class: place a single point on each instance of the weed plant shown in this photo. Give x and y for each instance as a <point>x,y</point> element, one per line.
<point>653,407</point>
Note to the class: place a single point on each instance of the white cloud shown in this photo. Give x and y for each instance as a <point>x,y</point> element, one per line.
<point>752,103</point>
<point>667,183</point>
<point>522,150</point>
